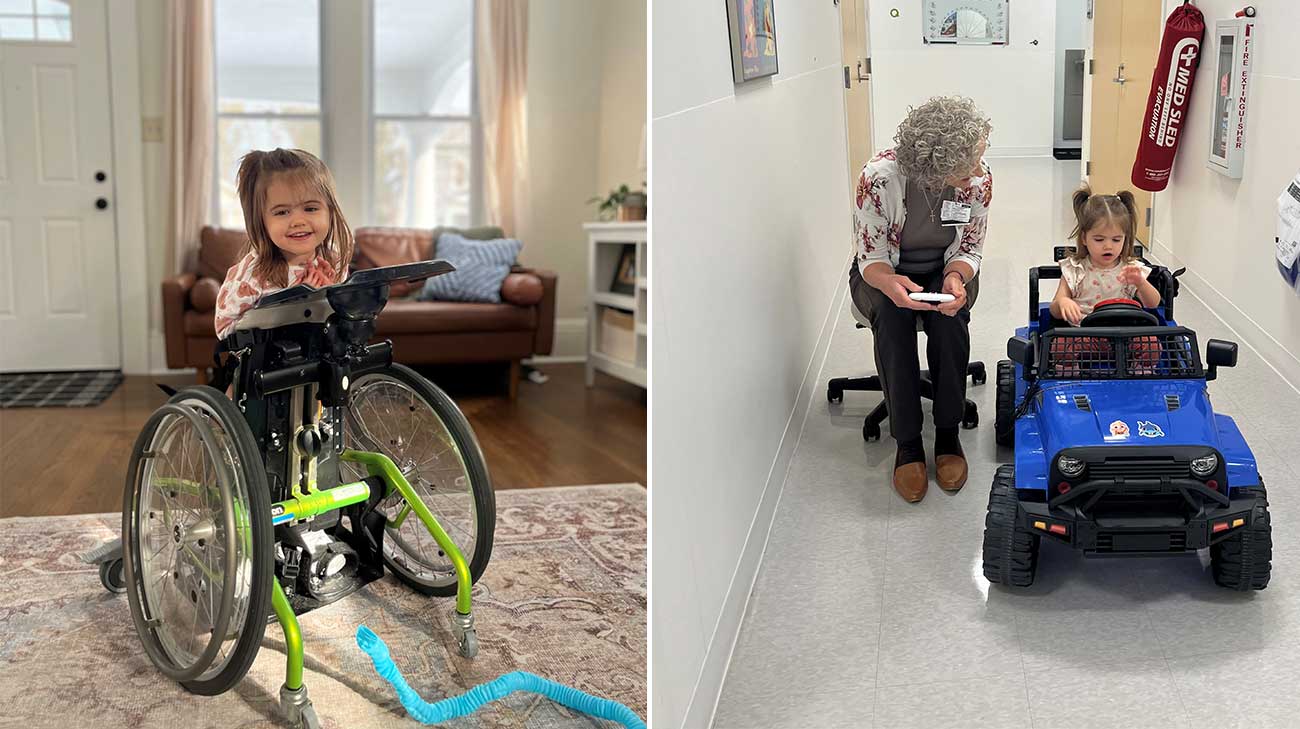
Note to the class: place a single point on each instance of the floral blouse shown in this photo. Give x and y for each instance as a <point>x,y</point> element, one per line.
<point>1090,286</point>
<point>242,289</point>
<point>880,211</point>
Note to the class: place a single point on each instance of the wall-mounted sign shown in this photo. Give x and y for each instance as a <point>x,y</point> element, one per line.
<point>974,22</point>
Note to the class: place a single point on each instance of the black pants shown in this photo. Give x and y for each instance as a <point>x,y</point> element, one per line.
<point>947,352</point>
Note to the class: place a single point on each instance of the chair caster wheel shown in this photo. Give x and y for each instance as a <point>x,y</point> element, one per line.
<point>834,394</point>
<point>870,432</point>
<point>308,718</point>
<point>111,577</point>
<point>468,644</point>
<point>971,418</point>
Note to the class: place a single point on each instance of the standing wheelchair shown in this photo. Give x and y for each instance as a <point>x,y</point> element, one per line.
<point>329,465</point>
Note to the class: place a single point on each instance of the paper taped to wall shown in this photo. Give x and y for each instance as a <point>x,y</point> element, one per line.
<point>1288,232</point>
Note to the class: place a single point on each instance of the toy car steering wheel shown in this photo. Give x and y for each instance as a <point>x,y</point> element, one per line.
<point>1119,313</point>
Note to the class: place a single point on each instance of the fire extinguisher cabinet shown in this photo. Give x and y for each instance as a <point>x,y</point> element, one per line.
<point>1233,51</point>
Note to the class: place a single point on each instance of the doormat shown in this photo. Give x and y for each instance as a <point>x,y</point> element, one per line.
<point>57,389</point>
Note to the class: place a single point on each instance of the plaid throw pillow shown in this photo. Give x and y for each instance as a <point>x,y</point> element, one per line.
<point>481,266</point>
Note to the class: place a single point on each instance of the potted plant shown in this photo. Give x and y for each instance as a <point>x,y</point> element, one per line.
<point>623,203</point>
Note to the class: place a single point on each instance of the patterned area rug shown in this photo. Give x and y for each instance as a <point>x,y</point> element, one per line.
<point>57,389</point>
<point>563,597</point>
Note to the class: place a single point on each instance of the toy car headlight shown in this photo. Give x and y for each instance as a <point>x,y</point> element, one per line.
<point>1069,466</point>
<point>1205,465</point>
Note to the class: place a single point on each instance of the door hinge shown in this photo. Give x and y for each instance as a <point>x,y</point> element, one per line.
<point>1089,66</point>
<point>1089,9</point>
<point>1087,167</point>
<point>1148,217</point>
<point>846,77</point>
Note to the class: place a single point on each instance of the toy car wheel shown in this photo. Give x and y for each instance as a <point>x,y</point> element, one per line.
<point>978,375</point>
<point>970,416</point>
<point>1004,415</point>
<point>1010,549</point>
<point>1244,560</point>
<point>197,547</point>
<point>397,412</point>
<point>870,432</point>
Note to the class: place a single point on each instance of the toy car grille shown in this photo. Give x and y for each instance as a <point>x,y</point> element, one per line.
<point>1140,468</point>
<point>1172,402</point>
<point>1120,353</point>
<point>1083,403</point>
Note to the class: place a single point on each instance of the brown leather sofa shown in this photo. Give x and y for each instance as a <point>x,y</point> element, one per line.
<point>422,332</point>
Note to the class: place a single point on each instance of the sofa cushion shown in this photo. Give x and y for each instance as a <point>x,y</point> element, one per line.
<point>203,296</point>
<point>200,324</point>
<point>481,267</point>
<point>219,249</point>
<point>430,317</point>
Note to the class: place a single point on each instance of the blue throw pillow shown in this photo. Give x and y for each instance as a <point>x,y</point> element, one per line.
<point>481,266</point>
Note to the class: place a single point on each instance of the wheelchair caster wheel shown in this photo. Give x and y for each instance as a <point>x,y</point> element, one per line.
<point>979,375</point>
<point>468,644</point>
<point>110,576</point>
<point>834,394</point>
<point>870,431</point>
<point>308,719</point>
<point>971,418</point>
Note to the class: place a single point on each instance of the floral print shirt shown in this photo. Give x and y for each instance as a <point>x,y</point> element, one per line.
<point>1090,285</point>
<point>879,212</point>
<point>242,290</point>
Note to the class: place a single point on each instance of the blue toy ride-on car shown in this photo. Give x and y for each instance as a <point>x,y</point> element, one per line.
<point>1117,448</point>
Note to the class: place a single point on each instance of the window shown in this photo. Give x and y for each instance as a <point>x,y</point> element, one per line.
<point>268,86</point>
<point>412,157</point>
<point>35,20</point>
<point>423,122</point>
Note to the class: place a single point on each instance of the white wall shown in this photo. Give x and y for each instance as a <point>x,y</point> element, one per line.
<point>1223,229</point>
<point>751,236</point>
<point>574,60</point>
<point>1071,15</point>
<point>1012,83</point>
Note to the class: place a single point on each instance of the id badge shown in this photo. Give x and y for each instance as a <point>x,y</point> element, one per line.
<point>954,213</point>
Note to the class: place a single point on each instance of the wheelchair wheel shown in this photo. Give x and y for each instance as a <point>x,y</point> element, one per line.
<point>198,547</point>
<point>398,413</point>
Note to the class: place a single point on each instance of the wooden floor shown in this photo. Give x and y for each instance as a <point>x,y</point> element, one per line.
<point>73,460</point>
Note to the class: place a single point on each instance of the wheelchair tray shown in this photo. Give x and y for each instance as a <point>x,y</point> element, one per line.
<point>355,298</point>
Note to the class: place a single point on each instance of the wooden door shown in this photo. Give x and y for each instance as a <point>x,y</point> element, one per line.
<point>58,248</point>
<point>1125,42</point>
<point>857,90</point>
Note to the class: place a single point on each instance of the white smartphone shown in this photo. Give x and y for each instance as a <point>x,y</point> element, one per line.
<point>927,296</point>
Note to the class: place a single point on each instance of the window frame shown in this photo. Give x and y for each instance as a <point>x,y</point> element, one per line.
<point>333,127</point>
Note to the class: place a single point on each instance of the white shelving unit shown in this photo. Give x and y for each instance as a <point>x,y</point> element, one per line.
<point>605,243</point>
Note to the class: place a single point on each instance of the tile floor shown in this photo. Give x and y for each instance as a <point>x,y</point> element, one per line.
<point>869,611</point>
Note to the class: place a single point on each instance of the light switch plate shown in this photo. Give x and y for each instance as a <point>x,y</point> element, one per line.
<point>151,128</point>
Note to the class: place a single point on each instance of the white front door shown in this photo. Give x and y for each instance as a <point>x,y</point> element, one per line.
<point>58,249</point>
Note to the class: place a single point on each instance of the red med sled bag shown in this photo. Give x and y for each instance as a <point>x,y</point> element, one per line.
<point>1171,94</point>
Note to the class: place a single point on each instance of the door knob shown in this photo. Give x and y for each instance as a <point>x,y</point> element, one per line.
<point>101,203</point>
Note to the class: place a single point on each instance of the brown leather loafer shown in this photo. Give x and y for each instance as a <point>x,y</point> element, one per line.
<point>910,481</point>
<point>950,472</point>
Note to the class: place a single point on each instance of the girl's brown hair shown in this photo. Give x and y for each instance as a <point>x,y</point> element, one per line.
<point>1092,210</point>
<point>303,169</point>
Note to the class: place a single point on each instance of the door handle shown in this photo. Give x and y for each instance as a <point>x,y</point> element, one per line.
<point>864,75</point>
<point>101,203</point>
<point>1119,75</point>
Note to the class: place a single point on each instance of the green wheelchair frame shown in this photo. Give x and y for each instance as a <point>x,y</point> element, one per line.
<point>305,500</point>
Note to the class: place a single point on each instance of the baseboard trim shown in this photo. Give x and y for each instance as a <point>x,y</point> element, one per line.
<point>1246,329</point>
<point>995,152</point>
<point>555,359</point>
<point>717,658</point>
<point>570,338</point>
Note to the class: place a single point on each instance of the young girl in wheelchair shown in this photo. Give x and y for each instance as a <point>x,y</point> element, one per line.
<point>296,231</point>
<point>1102,267</point>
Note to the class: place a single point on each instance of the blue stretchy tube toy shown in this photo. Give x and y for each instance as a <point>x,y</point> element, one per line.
<point>472,700</point>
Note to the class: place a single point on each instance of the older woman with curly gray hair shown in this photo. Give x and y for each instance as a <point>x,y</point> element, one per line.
<point>919,223</point>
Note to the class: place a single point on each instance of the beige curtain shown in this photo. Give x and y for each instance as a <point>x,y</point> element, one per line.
<point>190,120</point>
<point>501,43</point>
